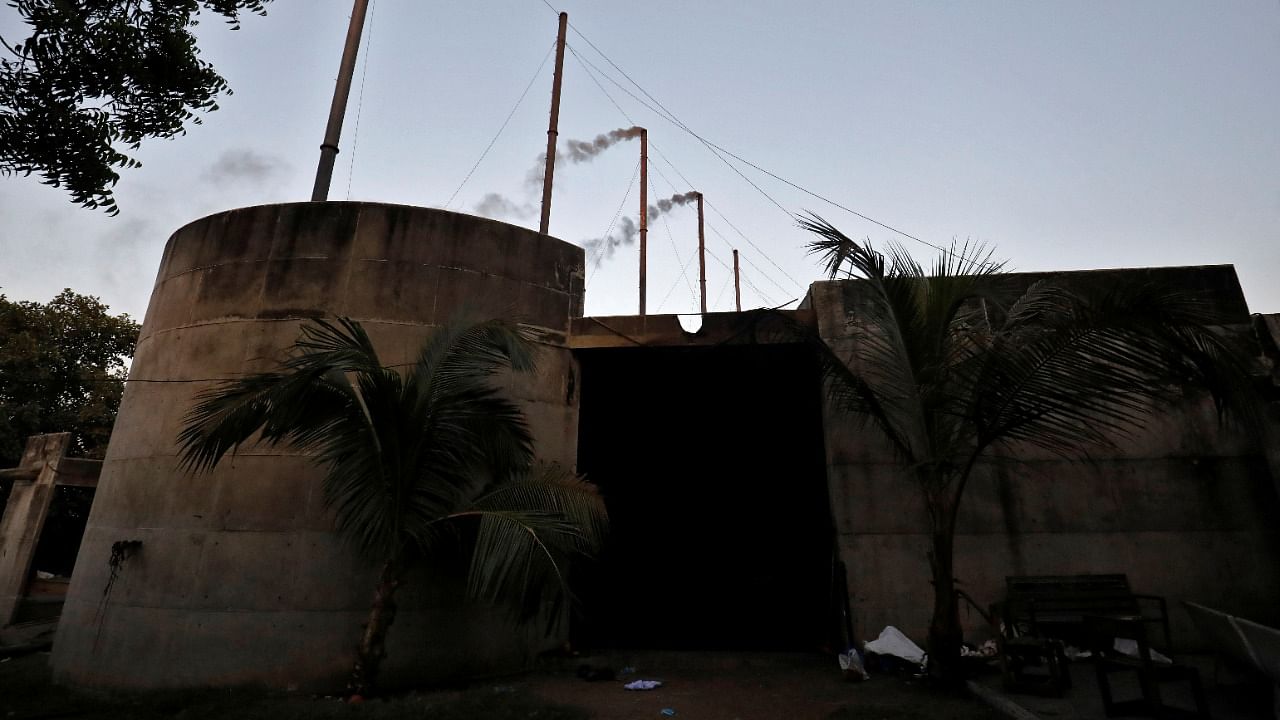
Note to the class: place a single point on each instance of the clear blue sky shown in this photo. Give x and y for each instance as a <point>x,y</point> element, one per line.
<point>1070,135</point>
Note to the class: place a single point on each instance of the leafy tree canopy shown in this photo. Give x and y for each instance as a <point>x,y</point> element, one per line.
<point>61,370</point>
<point>96,75</point>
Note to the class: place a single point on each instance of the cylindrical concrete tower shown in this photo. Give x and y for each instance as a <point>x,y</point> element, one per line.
<point>239,577</point>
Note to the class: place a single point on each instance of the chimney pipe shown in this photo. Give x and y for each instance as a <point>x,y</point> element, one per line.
<point>702,258</point>
<point>553,130</point>
<point>338,109</point>
<point>644,216</point>
<point>737,285</point>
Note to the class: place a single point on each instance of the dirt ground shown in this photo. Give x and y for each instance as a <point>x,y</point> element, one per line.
<point>749,686</point>
<point>707,686</point>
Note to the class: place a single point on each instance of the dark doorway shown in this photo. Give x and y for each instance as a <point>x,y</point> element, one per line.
<point>711,463</point>
<point>64,527</point>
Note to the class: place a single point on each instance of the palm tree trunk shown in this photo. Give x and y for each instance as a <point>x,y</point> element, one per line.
<point>372,648</point>
<point>945,635</point>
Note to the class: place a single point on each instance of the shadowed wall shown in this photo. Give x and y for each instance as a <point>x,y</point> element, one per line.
<point>1185,508</point>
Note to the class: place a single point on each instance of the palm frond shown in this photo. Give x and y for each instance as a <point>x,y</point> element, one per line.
<point>340,344</point>
<point>450,393</point>
<point>1072,369</point>
<point>908,331</point>
<point>445,432</point>
<point>530,528</point>
<point>467,353</point>
<point>944,369</point>
<point>398,455</point>
<point>296,407</point>
<point>478,432</point>
<point>551,487</point>
<point>834,249</point>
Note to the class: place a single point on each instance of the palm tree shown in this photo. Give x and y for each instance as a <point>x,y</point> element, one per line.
<point>409,458</point>
<point>948,368</point>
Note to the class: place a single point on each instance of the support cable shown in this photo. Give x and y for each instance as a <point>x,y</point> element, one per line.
<point>364,73</point>
<point>741,234</point>
<point>675,249</point>
<point>713,228</point>
<point>604,239</point>
<point>675,121</point>
<point>662,111</point>
<point>725,286</point>
<point>591,70</point>
<point>655,148</point>
<point>763,295</point>
<point>587,67</point>
<point>674,284</point>
<point>756,267</point>
<point>496,135</point>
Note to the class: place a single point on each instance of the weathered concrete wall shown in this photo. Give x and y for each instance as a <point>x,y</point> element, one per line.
<point>24,516</point>
<point>1187,509</point>
<point>240,577</point>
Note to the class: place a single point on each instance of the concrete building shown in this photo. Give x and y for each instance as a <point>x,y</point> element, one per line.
<point>734,492</point>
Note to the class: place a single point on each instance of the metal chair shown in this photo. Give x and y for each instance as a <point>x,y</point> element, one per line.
<point>1102,633</point>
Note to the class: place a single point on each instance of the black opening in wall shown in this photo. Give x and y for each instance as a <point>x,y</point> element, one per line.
<point>712,466</point>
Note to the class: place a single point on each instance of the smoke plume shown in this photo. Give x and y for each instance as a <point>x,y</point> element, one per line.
<point>494,205</point>
<point>664,206</point>
<point>578,151</point>
<point>583,150</point>
<point>603,248</point>
<point>239,166</point>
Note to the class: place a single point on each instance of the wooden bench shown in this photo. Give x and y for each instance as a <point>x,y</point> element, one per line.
<point>1043,613</point>
<point>1054,606</point>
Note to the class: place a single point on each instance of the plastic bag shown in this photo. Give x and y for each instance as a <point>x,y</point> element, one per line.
<point>643,684</point>
<point>893,642</point>
<point>851,665</point>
